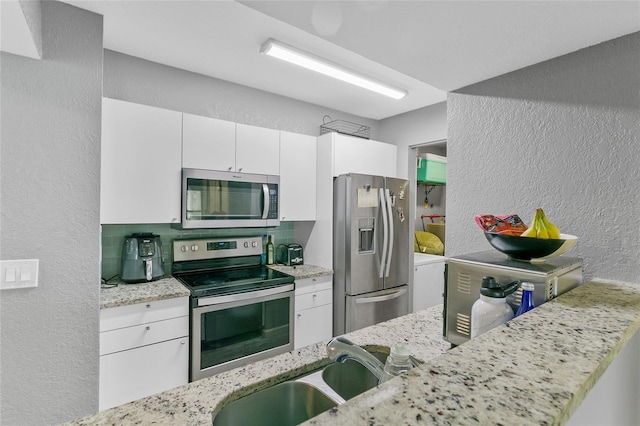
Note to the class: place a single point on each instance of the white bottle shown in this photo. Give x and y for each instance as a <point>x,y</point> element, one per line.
<point>398,362</point>
<point>491,310</point>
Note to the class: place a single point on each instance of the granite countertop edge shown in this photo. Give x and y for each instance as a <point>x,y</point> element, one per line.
<point>129,294</point>
<point>300,272</point>
<point>587,327</point>
<point>118,293</point>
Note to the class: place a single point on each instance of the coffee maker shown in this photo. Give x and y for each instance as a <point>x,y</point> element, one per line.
<point>142,258</point>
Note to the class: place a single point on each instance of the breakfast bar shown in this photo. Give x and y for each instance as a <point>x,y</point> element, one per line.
<point>536,369</point>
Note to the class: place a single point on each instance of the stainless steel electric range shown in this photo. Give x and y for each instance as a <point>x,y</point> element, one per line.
<point>241,311</point>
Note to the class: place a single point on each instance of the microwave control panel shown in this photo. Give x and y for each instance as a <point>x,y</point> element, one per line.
<point>273,202</point>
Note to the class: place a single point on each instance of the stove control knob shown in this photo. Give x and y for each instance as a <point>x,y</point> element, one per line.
<point>254,244</point>
<point>184,248</point>
<point>246,245</point>
<point>194,247</point>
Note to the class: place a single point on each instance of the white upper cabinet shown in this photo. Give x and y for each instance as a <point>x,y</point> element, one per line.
<point>368,157</point>
<point>297,177</point>
<point>212,144</point>
<point>140,163</point>
<point>208,143</point>
<point>257,150</point>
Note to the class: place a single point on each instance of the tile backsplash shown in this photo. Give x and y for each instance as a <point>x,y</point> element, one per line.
<point>113,239</point>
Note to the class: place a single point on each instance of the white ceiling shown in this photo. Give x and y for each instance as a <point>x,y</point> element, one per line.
<point>425,47</point>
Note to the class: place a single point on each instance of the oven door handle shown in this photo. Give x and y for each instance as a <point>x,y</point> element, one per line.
<point>250,295</point>
<point>265,196</point>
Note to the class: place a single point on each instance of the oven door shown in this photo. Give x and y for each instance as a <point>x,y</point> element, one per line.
<point>235,330</point>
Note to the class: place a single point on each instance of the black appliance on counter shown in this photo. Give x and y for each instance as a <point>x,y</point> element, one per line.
<point>290,254</point>
<point>142,258</point>
<point>241,311</point>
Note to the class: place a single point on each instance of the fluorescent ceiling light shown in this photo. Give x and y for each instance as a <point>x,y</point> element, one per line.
<point>306,60</point>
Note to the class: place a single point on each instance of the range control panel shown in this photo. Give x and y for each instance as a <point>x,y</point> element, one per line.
<point>199,249</point>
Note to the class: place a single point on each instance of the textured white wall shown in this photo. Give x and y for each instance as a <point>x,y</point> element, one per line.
<point>423,125</point>
<point>562,135</point>
<point>50,174</point>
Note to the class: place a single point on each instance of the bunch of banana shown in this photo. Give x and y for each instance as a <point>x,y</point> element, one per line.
<point>541,227</point>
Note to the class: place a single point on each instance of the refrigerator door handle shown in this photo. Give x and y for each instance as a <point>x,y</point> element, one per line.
<point>390,215</point>
<point>385,236</point>
<point>386,297</point>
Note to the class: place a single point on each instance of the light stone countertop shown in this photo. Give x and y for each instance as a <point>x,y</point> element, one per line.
<point>536,369</point>
<point>130,294</point>
<point>302,271</point>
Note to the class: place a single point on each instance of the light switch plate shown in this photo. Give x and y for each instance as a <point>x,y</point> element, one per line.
<point>18,274</point>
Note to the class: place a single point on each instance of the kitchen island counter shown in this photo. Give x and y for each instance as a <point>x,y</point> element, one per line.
<point>536,369</point>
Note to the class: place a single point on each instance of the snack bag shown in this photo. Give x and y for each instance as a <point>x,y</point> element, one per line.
<point>506,224</point>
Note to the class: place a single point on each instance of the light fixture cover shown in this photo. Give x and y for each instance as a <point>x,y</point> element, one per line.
<point>306,60</point>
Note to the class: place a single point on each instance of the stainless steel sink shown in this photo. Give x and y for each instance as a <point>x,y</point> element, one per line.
<point>350,378</point>
<point>287,403</point>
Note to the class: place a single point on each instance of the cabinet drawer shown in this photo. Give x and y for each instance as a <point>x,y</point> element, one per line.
<point>141,313</point>
<point>309,285</point>
<point>313,299</point>
<point>143,335</point>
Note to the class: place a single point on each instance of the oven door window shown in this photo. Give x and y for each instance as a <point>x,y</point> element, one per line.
<point>234,332</point>
<point>225,200</point>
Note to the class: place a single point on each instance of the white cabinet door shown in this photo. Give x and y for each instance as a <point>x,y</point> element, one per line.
<point>140,164</point>
<point>313,325</point>
<point>208,143</point>
<point>357,155</point>
<point>297,177</point>
<point>129,375</point>
<point>257,150</point>
<point>314,310</point>
<point>428,285</point>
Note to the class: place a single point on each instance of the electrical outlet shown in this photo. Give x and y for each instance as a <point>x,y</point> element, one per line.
<point>18,274</point>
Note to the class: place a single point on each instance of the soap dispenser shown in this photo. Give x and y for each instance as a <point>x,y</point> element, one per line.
<point>398,362</point>
<point>492,309</point>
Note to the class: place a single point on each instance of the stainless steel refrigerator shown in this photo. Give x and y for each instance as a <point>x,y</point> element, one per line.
<point>371,256</point>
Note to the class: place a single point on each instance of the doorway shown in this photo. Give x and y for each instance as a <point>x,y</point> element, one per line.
<point>429,197</point>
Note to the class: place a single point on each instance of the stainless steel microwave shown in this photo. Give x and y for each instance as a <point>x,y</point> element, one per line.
<point>217,199</point>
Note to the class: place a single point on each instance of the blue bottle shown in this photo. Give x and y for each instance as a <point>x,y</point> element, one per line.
<point>526,304</point>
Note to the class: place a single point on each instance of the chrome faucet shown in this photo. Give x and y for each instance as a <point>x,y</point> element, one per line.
<point>340,349</point>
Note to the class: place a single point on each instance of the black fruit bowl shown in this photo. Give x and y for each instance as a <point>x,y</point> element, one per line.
<point>528,248</point>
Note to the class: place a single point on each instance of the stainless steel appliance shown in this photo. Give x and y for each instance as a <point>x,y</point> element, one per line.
<point>215,199</point>
<point>371,256</point>
<point>463,277</point>
<point>241,311</point>
<point>142,258</point>
<point>290,254</point>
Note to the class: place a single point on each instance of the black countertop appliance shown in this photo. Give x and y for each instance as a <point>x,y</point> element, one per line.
<point>142,258</point>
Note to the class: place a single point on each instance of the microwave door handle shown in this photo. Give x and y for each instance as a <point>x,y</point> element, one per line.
<point>265,197</point>
<point>390,215</point>
<point>385,242</point>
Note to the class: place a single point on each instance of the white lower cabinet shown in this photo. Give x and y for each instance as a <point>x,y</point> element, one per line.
<point>144,349</point>
<point>428,284</point>
<point>314,310</point>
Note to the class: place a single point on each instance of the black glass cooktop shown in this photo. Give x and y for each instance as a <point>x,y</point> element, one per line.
<point>221,282</point>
